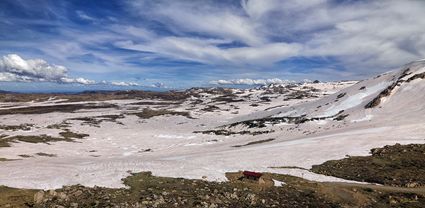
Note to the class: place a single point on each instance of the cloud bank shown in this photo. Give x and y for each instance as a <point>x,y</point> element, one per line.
<point>15,68</point>
<point>251,81</point>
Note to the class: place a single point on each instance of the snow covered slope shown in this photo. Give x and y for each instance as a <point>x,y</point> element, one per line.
<point>396,94</point>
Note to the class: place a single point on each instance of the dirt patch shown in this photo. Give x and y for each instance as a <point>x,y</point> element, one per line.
<point>11,197</point>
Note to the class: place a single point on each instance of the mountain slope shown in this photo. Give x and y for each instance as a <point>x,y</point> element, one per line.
<point>396,94</point>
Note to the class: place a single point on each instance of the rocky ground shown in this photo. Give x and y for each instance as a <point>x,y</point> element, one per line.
<point>145,190</point>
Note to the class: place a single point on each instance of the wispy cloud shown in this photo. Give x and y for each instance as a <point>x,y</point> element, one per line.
<point>361,34</point>
<point>251,81</point>
<point>181,41</point>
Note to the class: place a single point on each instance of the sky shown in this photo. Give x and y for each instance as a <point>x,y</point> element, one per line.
<point>122,44</point>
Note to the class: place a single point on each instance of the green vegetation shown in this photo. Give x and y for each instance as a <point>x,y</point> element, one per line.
<point>45,154</point>
<point>24,127</point>
<point>94,96</point>
<point>67,136</point>
<point>145,190</point>
<point>147,113</point>
<point>5,159</point>
<point>36,139</point>
<point>97,120</point>
<point>63,124</point>
<point>225,132</point>
<point>397,165</point>
<point>255,142</point>
<point>68,108</point>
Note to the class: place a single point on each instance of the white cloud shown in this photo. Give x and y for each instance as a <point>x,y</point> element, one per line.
<point>250,81</point>
<point>207,51</point>
<point>36,68</point>
<point>159,85</point>
<point>15,68</point>
<point>79,80</point>
<point>126,84</point>
<point>363,36</point>
<point>201,17</point>
<point>82,15</point>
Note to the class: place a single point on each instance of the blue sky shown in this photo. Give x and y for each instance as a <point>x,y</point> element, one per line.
<point>184,43</point>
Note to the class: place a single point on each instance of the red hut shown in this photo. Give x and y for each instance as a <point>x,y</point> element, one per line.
<point>252,175</point>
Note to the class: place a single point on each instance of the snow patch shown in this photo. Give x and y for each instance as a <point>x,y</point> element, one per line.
<point>278,183</point>
<point>366,118</point>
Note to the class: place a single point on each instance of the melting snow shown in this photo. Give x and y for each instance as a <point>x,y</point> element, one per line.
<point>354,100</point>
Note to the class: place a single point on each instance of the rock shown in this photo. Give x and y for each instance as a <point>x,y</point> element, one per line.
<point>38,197</point>
<point>52,193</point>
<point>78,193</point>
<point>412,185</point>
<point>74,205</point>
<point>62,196</point>
<point>213,205</point>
